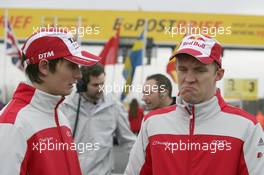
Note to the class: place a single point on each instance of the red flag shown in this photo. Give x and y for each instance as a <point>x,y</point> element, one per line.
<point>110,51</point>
<point>171,69</point>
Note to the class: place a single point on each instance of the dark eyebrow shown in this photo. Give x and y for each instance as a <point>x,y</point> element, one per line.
<point>181,66</point>
<point>201,67</point>
<point>97,84</point>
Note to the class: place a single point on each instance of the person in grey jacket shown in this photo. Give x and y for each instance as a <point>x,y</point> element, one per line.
<point>95,118</point>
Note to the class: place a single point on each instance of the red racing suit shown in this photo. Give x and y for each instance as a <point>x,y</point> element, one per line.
<point>211,138</point>
<point>35,138</point>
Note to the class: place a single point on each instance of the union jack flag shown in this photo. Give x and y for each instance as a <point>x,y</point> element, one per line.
<point>12,49</point>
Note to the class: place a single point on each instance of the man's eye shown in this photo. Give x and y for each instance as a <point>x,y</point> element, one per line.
<point>201,70</point>
<point>146,92</point>
<point>73,66</point>
<point>182,70</point>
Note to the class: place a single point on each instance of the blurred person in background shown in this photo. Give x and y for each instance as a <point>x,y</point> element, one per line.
<point>95,119</point>
<point>135,116</point>
<point>157,92</point>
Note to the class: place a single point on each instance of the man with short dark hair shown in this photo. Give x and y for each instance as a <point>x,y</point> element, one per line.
<point>35,137</point>
<point>96,118</point>
<point>201,134</point>
<point>157,92</point>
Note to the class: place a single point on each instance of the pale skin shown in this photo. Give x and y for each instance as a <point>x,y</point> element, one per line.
<point>153,98</point>
<point>94,87</point>
<point>61,81</point>
<point>197,81</point>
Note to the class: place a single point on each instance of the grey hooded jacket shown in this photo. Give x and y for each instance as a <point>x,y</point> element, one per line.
<point>97,125</point>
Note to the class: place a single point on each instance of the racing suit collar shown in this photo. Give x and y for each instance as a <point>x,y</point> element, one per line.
<point>202,110</point>
<point>41,100</point>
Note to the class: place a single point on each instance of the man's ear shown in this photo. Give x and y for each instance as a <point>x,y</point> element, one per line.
<point>219,74</point>
<point>43,67</point>
<point>164,94</point>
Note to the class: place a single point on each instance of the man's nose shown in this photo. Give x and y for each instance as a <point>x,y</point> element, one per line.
<point>144,97</point>
<point>189,77</point>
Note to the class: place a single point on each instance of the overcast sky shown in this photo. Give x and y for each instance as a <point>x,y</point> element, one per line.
<point>251,7</point>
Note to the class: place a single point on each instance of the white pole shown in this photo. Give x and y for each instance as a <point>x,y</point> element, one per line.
<point>79,24</point>
<point>113,77</point>
<point>114,66</point>
<point>42,21</point>
<point>5,93</point>
<point>144,50</point>
<point>55,21</point>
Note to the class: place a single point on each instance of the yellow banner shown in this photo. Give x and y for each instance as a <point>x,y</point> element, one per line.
<point>243,89</point>
<point>163,27</point>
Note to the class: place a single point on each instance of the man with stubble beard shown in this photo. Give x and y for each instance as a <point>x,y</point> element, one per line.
<point>100,117</point>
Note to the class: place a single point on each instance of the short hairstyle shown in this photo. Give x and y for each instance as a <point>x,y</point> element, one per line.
<point>162,80</point>
<point>94,70</point>
<point>32,70</point>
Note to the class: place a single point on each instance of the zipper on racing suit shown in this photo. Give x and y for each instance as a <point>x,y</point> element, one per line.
<point>191,111</point>
<point>60,133</point>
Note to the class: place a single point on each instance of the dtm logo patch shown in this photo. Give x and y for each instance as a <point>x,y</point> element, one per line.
<point>45,55</point>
